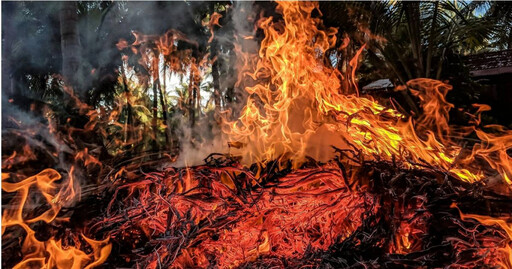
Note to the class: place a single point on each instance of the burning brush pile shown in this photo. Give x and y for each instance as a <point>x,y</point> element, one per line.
<point>315,176</point>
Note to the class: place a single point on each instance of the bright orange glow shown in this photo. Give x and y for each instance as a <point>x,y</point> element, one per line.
<point>306,209</point>
<point>505,223</point>
<point>44,187</point>
<point>296,97</point>
<point>298,106</point>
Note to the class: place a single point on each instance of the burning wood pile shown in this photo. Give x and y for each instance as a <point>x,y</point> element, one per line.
<point>221,214</point>
<point>315,176</point>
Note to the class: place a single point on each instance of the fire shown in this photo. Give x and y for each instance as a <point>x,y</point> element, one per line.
<point>51,253</point>
<point>298,105</point>
<point>505,223</point>
<point>296,98</point>
<point>21,158</point>
<point>286,221</point>
<point>203,213</point>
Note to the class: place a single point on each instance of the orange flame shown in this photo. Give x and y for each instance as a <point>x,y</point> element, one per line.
<point>297,105</point>
<point>505,223</point>
<point>51,253</point>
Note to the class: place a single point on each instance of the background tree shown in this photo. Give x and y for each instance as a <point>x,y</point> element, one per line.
<point>500,13</point>
<point>70,43</point>
<point>407,40</point>
<point>403,40</point>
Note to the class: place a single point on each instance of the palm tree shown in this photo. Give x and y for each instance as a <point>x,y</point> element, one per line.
<point>501,13</point>
<point>70,42</point>
<point>420,34</point>
<point>413,39</point>
<point>406,40</point>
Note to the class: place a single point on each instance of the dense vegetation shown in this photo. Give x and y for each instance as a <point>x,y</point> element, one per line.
<point>81,41</point>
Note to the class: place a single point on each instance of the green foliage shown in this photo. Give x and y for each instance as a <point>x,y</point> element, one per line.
<point>404,40</point>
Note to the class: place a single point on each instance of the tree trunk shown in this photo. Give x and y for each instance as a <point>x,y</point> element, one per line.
<point>164,113</point>
<point>232,92</point>
<point>215,66</point>
<point>191,100</point>
<point>412,13</point>
<point>155,116</point>
<point>129,117</point>
<point>215,75</point>
<point>431,40</point>
<point>405,93</point>
<point>400,57</point>
<point>509,43</point>
<point>70,43</point>
<point>441,59</point>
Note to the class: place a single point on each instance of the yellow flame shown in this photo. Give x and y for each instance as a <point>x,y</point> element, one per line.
<point>295,99</point>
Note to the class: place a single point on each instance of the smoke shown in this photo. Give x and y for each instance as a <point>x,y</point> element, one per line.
<point>243,18</point>
<point>30,144</point>
<point>32,54</point>
<point>194,151</point>
<point>206,137</point>
<point>34,128</point>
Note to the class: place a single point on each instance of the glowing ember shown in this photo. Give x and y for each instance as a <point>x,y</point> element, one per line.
<point>316,173</point>
<point>210,212</point>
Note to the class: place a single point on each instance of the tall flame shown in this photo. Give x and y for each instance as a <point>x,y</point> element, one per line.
<point>296,100</point>
<point>297,107</point>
